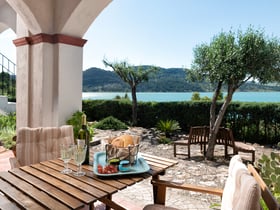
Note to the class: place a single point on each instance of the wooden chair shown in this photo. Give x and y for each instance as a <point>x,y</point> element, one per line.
<point>225,137</point>
<point>243,190</point>
<point>34,145</point>
<point>200,135</point>
<point>197,135</point>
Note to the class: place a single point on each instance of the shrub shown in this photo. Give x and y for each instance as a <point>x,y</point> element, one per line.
<point>6,137</point>
<point>8,121</point>
<point>76,121</point>
<point>8,130</point>
<point>168,127</point>
<point>164,140</point>
<point>110,123</point>
<point>269,169</point>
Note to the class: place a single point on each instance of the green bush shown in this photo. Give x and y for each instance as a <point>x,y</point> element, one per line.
<point>8,120</point>
<point>8,130</point>
<point>168,127</point>
<point>6,137</point>
<point>76,121</point>
<point>250,122</point>
<point>110,123</point>
<point>97,110</point>
<point>164,140</point>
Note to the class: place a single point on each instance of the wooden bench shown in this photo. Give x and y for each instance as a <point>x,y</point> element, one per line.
<point>200,135</point>
<point>261,191</point>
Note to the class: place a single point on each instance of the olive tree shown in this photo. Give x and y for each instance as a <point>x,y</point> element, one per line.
<point>133,76</point>
<point>229,61</point>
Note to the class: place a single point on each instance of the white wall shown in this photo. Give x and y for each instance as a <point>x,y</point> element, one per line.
<point>5,106</point>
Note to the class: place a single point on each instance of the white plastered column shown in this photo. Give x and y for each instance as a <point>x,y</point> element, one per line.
<point>49,96</point>
<point>49,58</point>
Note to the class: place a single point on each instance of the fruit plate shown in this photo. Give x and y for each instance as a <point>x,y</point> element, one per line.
<point>139,167</point>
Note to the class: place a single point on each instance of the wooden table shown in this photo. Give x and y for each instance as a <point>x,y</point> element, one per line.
<point>42,186</point>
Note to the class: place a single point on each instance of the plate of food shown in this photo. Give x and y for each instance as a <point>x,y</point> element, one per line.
<point>116,167</point>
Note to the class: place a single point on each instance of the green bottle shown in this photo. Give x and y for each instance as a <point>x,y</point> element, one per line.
<point>84,134</point>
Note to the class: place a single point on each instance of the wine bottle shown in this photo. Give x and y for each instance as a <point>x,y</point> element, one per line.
<point>84,135</point>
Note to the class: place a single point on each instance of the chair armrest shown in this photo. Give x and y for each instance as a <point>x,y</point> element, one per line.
<point>189,187</point>
<point>267,196</point>
<point>159,189</point>
<point>14,162</point>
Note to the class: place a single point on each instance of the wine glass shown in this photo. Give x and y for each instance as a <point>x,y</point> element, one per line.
<point>81,142</point>
<point>66,152</point>
<point>79,152</point>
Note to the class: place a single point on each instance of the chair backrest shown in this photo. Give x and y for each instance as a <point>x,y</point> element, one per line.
<point>34,145</point>
<point>225,137</point>
<point>241,189</point>
<point>198,135</point>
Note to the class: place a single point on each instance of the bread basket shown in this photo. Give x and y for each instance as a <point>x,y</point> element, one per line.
<point>124,147</point>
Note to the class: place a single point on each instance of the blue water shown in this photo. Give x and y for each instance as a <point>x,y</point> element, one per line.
<point>186,96</point>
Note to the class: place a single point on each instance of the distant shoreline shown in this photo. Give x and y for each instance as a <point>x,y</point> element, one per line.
<point>269,96</point>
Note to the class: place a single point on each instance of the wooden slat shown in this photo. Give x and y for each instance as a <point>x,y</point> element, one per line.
<point>49,189</point>
<point>139,178</point>
<point>160,166</point>
<point>155,169</point>
<point>70,179</point>
<point>48,182</point>
<point>110,181</point>
<point>115,182</point>
<point>30,191</point>
<point>7,204</point>
<point>162,163</point>
<point>19,197</point>
<point>169,161</point>
<point>79,194</point>
<point>125,180</point>
<point>90,180</point>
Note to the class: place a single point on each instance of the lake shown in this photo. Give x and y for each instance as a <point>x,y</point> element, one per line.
<point>185,96</point>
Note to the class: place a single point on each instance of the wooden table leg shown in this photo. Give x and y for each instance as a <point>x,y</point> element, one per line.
<point>110,204</point>
<point>108,207</point>
<point>159,192</point>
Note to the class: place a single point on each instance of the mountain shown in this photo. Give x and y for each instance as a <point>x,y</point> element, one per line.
<point>166,80</point>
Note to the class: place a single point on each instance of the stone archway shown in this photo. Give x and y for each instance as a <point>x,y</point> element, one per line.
<point>49,56</point>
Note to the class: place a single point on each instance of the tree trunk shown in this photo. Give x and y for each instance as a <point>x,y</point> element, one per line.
<point>134,105</point>
<point>214,128</point>
<point>213,105</point>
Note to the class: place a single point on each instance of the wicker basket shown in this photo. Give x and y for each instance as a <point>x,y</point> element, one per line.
<point>123,153</point>
<point>128,153</point>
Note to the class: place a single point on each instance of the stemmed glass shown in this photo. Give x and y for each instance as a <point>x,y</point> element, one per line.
<point>79,152</point>
<point>66,152</point>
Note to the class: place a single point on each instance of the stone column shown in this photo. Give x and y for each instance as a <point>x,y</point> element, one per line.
<point>49,79</point>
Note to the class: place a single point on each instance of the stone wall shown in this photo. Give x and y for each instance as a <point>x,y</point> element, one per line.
<point>5,106</point>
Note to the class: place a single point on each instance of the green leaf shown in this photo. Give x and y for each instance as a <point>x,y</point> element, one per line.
<point>273,177</point>
<point>273,156</point>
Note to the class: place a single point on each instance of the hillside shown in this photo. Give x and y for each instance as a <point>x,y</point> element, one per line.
<point>166,80</point>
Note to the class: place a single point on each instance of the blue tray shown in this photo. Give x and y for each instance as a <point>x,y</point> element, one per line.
<point>139,167</point>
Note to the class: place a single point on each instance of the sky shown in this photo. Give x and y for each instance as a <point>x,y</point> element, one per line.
<point>164,32</point>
